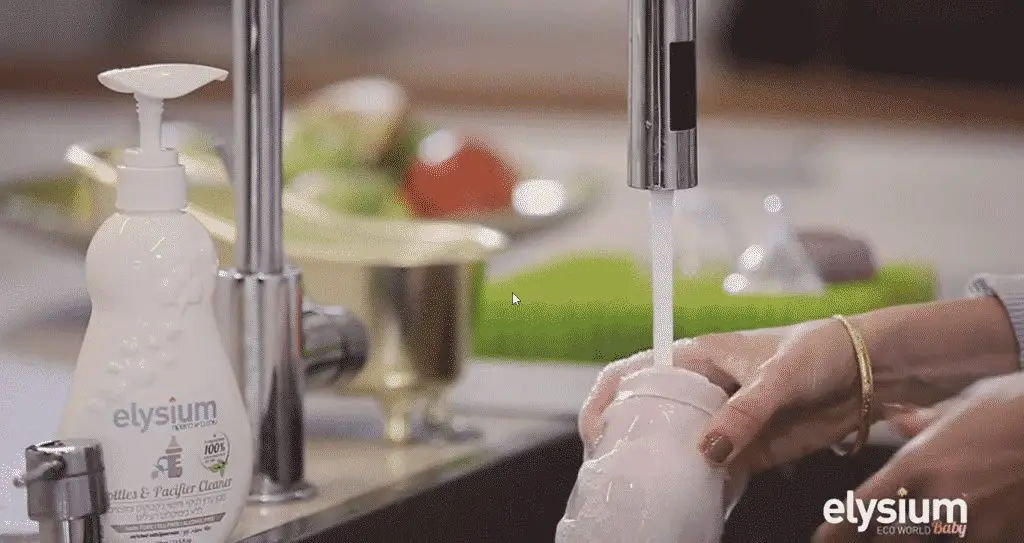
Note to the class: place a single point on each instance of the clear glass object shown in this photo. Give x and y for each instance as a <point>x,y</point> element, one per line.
<point>646,480</point>
<point>778,264</point>
<point>706,238</point>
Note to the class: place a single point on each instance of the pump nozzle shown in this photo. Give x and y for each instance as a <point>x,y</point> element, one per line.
<point>151,178</point>
<point>151,85</point>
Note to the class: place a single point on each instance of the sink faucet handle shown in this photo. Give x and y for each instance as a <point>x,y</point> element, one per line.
<point>335,344</point>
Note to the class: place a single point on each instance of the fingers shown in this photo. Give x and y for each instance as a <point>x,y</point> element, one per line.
<point>686,354</point>
<point>910,421</point>
<point>591,420</point>
<point>700,360</point>
<point>793,437</point>
<point>733,428</point>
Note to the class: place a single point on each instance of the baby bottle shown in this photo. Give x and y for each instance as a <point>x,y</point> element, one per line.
<point>647,480</point>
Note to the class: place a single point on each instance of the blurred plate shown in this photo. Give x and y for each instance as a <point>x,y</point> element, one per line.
<point>554,187</point>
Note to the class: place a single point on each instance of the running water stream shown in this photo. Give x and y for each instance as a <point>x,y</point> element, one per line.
<point>662,208</point>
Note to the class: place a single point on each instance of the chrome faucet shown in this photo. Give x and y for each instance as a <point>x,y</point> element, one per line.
<point>662,94</point>
<point>274,338</point>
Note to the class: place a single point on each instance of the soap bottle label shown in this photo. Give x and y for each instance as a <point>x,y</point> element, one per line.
<point>188,473</point>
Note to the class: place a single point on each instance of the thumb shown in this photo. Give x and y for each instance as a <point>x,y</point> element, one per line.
<point>742,418</point>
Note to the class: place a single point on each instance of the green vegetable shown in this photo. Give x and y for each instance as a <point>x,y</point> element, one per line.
<point>59,193</point>
<point>396,208</point>
<point>355,191</point>
<point>401,155</point>
<point>330,143</point>
<point>319,145</point>
<point>322,162</point>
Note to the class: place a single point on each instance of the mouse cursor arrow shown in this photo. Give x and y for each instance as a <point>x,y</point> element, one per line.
<point>515,299</point>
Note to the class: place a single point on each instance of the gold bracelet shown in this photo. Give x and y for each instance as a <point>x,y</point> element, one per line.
<point>867,388</point>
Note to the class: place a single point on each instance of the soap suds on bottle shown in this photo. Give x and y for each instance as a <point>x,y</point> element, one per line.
<point>662,210</point>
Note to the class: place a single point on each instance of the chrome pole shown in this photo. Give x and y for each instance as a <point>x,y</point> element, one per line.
<point>261,299</point>
<point>259,108</point>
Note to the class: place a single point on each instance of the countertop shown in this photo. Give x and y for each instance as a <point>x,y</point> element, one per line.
<point>355,477</point>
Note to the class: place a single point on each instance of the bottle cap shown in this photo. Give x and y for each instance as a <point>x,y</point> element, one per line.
<point>151,179</point>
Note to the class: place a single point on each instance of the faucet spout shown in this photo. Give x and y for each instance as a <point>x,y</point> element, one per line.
<point>663,94</point>
<point>258,108</point>
<point>261,299</point>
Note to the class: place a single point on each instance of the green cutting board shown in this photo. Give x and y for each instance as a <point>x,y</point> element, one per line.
<point>597,308</point>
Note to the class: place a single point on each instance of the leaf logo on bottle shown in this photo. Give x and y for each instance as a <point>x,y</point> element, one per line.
<point>216,452</point>
<point>178,415</point>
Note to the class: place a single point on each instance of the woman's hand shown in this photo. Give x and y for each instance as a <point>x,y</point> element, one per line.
<point>797,390</point>
<point>969,447</point>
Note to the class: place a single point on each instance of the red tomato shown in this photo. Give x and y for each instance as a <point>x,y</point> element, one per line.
<point>471,180</point>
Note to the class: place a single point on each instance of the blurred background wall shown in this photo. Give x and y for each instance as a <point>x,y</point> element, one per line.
<point>566,53</point>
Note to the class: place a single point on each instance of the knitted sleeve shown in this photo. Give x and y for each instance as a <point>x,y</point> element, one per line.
<point>1009,290</point>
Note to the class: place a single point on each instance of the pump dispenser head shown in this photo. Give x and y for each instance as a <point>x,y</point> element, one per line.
<point>151,178</point>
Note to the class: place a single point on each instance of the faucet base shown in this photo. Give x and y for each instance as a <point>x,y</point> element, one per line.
<point>265,492</point>
<point>259,319</point>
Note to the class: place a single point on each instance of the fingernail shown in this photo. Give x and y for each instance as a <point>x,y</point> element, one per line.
<point>717,448</point>
<point>892,409</point>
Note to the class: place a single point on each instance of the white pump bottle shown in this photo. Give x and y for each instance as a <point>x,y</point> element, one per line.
<point>153,382</point>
